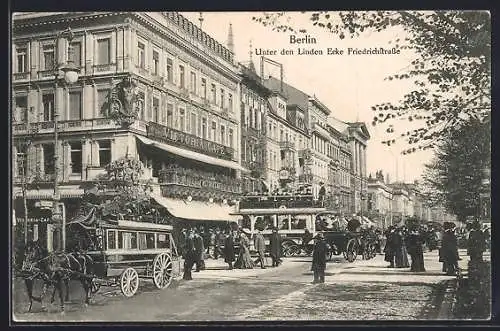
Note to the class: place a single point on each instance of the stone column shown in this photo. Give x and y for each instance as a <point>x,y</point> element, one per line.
<point>34,58</point>
<point>119,48</point>
<point>89,52</point>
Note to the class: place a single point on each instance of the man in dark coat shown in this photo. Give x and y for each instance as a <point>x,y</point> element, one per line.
<point>189,255</point>
<point>229,250</point>
<point>219,243</point>
<point>319,259</point>
<point>449,250</point>
<point>260,247</point>
<point>275,247</point>
<point>200,252</point>
<point>476,244</point>
<point>389,246</point>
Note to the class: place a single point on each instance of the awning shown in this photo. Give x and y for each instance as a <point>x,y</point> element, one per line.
<point>192,155</point>
<point>197,210</point>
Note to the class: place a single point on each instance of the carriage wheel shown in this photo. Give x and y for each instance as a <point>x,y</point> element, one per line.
<point>162,270</point>
<point>129,282</point>
<point>351,251</point>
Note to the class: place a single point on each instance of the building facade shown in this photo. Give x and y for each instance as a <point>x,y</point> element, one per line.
<point>358,138</point>
<point>379,201</point>
<point>178,84</point>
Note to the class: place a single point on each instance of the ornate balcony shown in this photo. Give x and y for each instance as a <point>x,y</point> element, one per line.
<point>99,68</point>
<point>287,145</point>
<point>46,74</point>
<point>65,126</point>
<point>199,183</point>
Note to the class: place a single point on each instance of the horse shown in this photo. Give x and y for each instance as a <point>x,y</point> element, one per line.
<point>56,269</point>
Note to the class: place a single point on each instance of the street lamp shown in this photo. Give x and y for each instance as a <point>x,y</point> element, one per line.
<point>70,76</point>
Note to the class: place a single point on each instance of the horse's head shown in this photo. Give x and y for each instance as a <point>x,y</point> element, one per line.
<point>33,253</point>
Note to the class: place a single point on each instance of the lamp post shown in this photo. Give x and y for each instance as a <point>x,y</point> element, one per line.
<point>70,76</point>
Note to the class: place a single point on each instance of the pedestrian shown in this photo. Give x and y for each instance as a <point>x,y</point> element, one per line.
<point>275,247</point>
<point>260,247</point>
<point>229,250</point>
<point>415,248</point>
<point>319,259</point>
<point>219,243</point>
<point>389,248</point>
<point>449,250</point>
<point>400,253</point>
<point>200,252</point>
<point>244,260</point>
<point>189,255</point>
<point>476,243</point>
<point>211,243</point>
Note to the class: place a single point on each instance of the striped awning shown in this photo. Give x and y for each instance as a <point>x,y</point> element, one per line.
<point>197,210</point>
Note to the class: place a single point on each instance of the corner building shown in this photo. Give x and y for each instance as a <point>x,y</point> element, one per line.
<point>187,128</point>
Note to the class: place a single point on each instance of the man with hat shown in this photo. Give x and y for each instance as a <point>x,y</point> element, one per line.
<point>319,259</point>
<point>476,243</point>
<point>189,255</point>
<point>275,247</point>
<point>449,249</point>
<point>260,247</point>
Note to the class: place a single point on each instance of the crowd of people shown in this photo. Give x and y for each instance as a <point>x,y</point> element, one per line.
<point>233,245</point>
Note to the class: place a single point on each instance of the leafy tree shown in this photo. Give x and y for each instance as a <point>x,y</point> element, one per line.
<point>454,176</point>
<point>451,74</point>
<point>121,190</point>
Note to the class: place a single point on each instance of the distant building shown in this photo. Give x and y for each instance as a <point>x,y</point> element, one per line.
<point>379,201</point>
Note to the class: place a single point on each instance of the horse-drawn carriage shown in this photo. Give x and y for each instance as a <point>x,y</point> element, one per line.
<point>106,253</point>
<point>344,237</point>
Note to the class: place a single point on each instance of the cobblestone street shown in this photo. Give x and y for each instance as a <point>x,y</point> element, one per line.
<point>363,290</point>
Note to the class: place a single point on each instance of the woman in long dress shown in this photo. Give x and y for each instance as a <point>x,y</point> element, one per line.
<point>244,260</point>
<point>401,254</point>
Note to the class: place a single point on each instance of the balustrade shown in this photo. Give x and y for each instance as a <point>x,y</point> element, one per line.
<point>70,125</point>
<point>199,180</point>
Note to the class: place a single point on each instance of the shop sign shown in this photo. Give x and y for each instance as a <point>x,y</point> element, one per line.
<point>179,138</point>
<point>20,220</point>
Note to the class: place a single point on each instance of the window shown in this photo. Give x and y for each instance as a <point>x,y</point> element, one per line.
<point>21,114</point>
<point>214,93</point>
<point>127,240</point>
<point>103,51</point>
<point>156,109</point>
<point>48,158</point>
<point>104,153</point>
<point>204,128</point>
<point>231,138</point>
<point>193,82</point>
<point>170,115</point>
<point>75,53</point>
<point>230,102</point>
<point>76,157</point>
<point>22,160</point>
<point>170,70</point>
<point>102,96</point>
<point>146,240</point>
<point>222,104</point>
<point>204,88</point>
<point>222,135</point>
<point>182,114</point>
<point>156,62</point>
<point>213,134</point>
<point>182,81</point>
<point>48,57</point>
<point>111,240</point>
<point>141,55</point>
<point>48,107</point>
<point>193,123</point>
<point>162,241</point>
<point>22,59</point>
<point>75,105</point>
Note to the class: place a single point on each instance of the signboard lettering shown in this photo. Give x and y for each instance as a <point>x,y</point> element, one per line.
<point>183,139</point>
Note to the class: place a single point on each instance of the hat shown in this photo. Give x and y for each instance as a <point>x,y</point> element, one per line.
<point>320,235</point>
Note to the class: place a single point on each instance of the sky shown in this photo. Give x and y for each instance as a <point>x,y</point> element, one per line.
<point>347,84</point>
